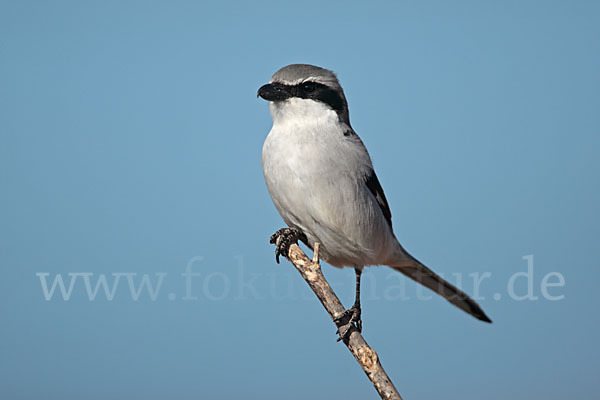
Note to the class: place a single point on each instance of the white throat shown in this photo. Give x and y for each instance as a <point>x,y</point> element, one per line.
<point>301,111</point>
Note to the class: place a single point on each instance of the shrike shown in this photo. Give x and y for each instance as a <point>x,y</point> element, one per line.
<point>323,184</point>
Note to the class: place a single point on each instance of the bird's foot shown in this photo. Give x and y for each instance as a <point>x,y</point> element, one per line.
<point>349,320</point>
<point>283,239</point>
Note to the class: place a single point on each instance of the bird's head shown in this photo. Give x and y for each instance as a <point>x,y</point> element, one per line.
<point>302,90</point>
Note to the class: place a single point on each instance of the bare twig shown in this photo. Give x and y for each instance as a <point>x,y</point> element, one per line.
<point>366,357</point>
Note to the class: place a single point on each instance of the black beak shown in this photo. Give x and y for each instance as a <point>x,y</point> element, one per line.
<point>273,92</point>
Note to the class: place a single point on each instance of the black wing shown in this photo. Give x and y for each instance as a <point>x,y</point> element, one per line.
<point>375,187</point>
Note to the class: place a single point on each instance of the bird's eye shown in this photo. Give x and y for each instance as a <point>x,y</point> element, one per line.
<point>308,86</point>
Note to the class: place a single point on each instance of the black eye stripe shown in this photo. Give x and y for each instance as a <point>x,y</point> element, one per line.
<point>309,90</point>
<point>316,91</point>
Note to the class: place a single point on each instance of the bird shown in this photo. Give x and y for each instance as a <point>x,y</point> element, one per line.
<point>322,182</point>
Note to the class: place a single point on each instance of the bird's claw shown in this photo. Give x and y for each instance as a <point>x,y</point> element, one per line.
<point>349,320</point>
<point>283,239</point>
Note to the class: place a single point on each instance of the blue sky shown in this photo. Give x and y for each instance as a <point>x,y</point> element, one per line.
<point>130,145</point>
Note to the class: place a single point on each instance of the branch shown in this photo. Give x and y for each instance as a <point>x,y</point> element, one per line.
<point>364,355</point>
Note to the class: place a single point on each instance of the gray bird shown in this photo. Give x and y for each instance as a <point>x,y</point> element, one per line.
<point>323,184</point>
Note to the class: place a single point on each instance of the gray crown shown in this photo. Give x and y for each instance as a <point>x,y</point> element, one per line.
<point>294,74</point>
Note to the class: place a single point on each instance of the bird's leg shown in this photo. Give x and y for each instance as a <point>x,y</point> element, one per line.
<point>284,238</point>
<point>356,315</point>
<point>351,318</point>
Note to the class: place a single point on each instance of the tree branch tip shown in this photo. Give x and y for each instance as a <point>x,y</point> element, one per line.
<point>363,354</point>
<point>316,253</point>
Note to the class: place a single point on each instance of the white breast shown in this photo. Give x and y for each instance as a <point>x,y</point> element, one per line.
<point>315,176</point>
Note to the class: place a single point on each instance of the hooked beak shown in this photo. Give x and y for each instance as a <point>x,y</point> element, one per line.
<point>273,92</point>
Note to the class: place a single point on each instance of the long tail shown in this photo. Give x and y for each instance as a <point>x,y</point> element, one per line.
<point>426,277</point>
